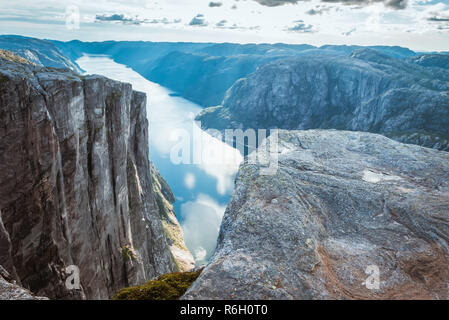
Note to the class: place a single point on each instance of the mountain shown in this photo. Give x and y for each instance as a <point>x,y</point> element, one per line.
<point>40,52</point>
<point>367,91</point>
<point>77,187</point>
<point>393,51</point>
<point>347,215</point>
<point>431,60</point>
<point>202,78</point>
<point>203,72</point>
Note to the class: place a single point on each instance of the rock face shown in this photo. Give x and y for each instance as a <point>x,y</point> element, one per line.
<point>201,78</point>
<point>10,291</point>
<point>432,60</point>
<point>76,185</point>
<point>368,91</point>
<point>341,204</point>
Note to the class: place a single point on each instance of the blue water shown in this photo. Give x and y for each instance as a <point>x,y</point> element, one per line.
<point>201,190</point>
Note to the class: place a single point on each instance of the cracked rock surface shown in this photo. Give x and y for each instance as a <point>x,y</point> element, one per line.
<point>341,206</point>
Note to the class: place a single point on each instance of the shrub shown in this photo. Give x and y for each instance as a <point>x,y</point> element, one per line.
<point>169,286</point>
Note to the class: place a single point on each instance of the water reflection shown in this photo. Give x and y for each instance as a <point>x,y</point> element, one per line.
<point>202,190</point>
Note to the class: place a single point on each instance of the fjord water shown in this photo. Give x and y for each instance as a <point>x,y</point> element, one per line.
<point>201,190</point>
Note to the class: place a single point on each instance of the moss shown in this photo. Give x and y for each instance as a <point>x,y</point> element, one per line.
<point>174,234</point>
<point>167,287</point>
<point>128,253</point>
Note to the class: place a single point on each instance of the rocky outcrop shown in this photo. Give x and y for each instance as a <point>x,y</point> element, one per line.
<point>11,291</point>
<point>368,91</point>
<point>165,198</point>
<point>344,210</point>
<point>76,185</point>
<point>40,52</point>
<point>431,60</point>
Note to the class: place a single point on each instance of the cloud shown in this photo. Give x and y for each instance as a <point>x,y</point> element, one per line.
<point>348,33</point>
<point>394,4</point>
<point>189,180</point>
<point>301,27</point>
<point>118,18</point>
<point>122,18</point>
<point>318,10</point>
<point>198,21</point>
<point>221,23</point>
<point>275,3</point>
<point>438,18</point>
<point>201,224</point>
<point>215,4</point>
<point>163,21</point>
<point>441,20</point>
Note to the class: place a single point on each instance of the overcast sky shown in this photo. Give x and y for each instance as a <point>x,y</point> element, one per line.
<point>417,24</point>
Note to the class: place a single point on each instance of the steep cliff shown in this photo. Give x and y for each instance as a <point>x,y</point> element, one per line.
<point>368,91</point>
<point>76,185</point>
<point>348,215</point>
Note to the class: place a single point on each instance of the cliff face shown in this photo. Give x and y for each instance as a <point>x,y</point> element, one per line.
<point>201,78</point>
<point>344,210</point>
<point>76,186</point>
<point>368,91</point>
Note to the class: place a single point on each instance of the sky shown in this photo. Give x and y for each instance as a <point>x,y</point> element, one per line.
<point>417,24</point>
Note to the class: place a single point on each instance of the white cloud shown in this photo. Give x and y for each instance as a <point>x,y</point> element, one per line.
<point>189,180</point>
<point>201,224</point>
<point>391,26</point>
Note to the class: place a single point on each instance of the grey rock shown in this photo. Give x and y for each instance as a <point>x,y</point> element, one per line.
<point>11,291</point>
<point>367,91</point>
<point>76,185</point>
<point>346,203</point>
<point>431,60</point>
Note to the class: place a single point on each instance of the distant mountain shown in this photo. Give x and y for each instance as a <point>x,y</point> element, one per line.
<point>394,52</point>
<point>202,78</point>
<point>40,52</point>
<point>431,60</point>
<point>203,72</point>
<point>367,91</point>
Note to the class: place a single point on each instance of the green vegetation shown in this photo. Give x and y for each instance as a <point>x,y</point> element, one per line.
<point>128,253</point>
<point>169,286</point>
